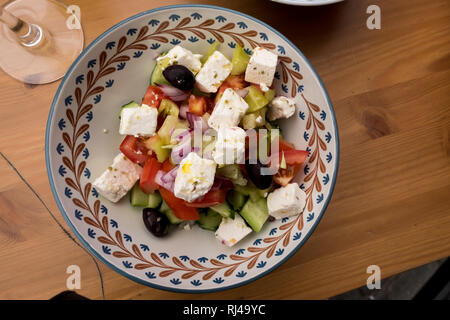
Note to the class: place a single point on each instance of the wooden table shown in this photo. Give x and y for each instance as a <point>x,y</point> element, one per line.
<point>391,205</point>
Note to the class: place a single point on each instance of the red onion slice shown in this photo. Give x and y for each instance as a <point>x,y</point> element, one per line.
<point>173,173</point>
<point>196,121</point>
<point>242,92</point>
<point>184,135</point>
<point>158,177</point>
<point>166,180</point>
<point>183,111</point>
<point>173,93</point>
<point>181,150</point>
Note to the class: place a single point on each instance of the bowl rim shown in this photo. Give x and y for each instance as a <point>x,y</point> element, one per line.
<point>86,244</point>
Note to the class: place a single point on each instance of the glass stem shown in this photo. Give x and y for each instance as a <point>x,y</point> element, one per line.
<point>28,34</point>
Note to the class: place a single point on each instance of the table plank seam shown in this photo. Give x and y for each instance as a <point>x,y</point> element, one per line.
<point>54,218</point>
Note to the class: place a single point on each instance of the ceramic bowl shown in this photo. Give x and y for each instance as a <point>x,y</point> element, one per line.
<point>82,139</point>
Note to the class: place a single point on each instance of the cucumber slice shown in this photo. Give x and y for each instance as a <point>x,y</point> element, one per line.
<point>232,172</point>
<point>197,92</point>
<point>156,144</point>
<point>255,213</point>
<point>240,61</point>
<point>213,47</point>
<point>138,198</point>
<point>167,107</point>
<point>236,199</point>
<point>252,192</point>
<point>251,121</point>
<point>170,123</point>
<point>154,200</point>
<point>209,220</point>
<point>131,104</point>
<point>169,213</point>
<point>224,210</point>
<point>255,100</point>
<point>157,74</point>
<point>270,94</point>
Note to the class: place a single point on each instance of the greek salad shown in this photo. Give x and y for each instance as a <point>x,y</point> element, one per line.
<point>186,155</point>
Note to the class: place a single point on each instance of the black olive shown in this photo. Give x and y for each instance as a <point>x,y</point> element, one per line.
<point>179,76</point>
<point>254,173</point>
<point>155,222</point>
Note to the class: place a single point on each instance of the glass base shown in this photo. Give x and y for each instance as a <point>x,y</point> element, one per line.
<point>62,42</point>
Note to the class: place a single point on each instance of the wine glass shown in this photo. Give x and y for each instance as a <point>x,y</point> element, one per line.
<point>39,39</point>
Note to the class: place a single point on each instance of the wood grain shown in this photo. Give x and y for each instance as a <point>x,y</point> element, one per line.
<point>391,205</point>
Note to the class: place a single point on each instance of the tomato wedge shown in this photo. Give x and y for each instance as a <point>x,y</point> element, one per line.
<point>133,148</point>
<point>284,145</point>
<point>197,105</point>
<point>233,82</point>
<point>178,206</point>
<point>294,160</point>
<point>284,176</point>
<point>153,97</point>
<point>212,198</point>
<point>147,180</point>
<point>295,157</point>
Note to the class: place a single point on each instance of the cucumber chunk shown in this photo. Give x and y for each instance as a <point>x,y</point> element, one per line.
<point>156,144</point>
<point>236,199</point>
<point>213,47</point>
<point>251,121</point>
<point>224,210</point>
<point>157,74</point>
<point>240,61</point>
<point>154,200</point>
<point>255,100</point>
<point>270,94</point>
<point>255,213</point>
<point>131,104</point>
<point>252,192</point>
<point>170,123</point>
<point>169,213</point>
<point>232,172</point>
<point>209,220</point>
<point>197,92</point>
<point>137,197</point>
<point>168,107</point>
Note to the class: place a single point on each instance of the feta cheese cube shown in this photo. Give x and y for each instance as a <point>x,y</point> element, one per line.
<point>286,201</point>
<point>184,57</point>
<point>118,179</point>
<point>228,111</point>
<point>195,176</point>
<point>231,231</point>
<point>263,87</point>
<point>281,107</point>
<point>261,67</point>
<point>140,121</point>
<point>230,146</point>
<point>215,70</point>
